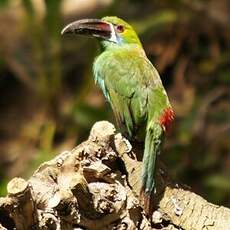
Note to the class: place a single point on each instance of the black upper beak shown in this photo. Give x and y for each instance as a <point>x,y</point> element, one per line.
<point>93,27</point>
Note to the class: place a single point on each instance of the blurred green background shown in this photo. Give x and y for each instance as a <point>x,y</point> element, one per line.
<point>48,100</point>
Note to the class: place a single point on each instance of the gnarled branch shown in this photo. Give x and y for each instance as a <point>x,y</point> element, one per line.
<point>96,186</point>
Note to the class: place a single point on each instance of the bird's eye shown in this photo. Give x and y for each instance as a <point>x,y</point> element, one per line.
<point>120,28</point>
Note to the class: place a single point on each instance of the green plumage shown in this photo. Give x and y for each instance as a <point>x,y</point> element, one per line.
<point>133,87</point>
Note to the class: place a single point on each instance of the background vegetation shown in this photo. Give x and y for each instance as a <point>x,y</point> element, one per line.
<point>48,100</point>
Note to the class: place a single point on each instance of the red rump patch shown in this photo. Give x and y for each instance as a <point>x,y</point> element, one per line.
<point>167,117</point>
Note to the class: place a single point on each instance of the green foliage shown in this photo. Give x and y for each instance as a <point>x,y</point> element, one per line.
<point>3,3</point>
<point>3,186</point>
<point>28,5</point>
<point>218,186</point>
<point>218,181</point>
<point>155,22</point>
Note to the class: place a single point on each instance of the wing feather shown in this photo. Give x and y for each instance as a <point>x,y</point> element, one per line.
<point>127,79</point>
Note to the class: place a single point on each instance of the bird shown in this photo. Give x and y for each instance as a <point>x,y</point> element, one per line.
<point>133,88</point>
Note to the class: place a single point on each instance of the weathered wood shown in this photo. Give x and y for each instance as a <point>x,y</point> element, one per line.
<point>22,208</point>
<point>96,186</point>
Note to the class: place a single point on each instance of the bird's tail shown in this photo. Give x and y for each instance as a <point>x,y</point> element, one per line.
<point>153,142</point>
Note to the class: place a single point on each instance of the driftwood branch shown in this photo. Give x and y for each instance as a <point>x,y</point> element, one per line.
<point>96,186</point>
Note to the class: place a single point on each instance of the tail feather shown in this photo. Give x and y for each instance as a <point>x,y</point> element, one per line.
<point>153,141</point>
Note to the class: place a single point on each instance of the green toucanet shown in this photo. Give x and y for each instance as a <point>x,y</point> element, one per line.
<point>133,88</point>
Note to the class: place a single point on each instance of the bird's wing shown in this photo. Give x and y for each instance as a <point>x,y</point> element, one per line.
<point>127,80</point>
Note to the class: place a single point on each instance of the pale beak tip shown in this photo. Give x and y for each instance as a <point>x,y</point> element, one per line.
<point>66,30</point>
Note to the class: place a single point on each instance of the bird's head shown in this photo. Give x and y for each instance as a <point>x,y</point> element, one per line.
<point>110,30</point>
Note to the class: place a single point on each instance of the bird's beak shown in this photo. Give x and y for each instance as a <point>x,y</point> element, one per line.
<point>92,27</point>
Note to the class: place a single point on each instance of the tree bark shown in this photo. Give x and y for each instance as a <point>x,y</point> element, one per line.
<point>96,186</point>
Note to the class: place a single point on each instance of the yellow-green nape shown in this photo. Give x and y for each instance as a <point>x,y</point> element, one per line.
<point>116,21</point>
<point>128,35</point>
